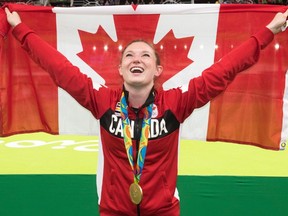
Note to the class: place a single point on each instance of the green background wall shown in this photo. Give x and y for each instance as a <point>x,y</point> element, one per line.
<point>74,195</point>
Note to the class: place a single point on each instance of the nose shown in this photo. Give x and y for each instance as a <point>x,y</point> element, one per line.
<point>136,59</point>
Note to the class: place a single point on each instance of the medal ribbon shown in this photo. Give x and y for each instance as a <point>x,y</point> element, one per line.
<point>143,138</point>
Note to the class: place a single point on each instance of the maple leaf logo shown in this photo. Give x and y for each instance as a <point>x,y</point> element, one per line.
<point>103,54</point>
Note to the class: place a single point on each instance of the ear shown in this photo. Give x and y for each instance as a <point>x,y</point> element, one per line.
<point>158,71</point>
<point>119,70</point>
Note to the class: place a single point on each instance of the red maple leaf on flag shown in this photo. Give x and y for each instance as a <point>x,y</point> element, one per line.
<point>103,54</point>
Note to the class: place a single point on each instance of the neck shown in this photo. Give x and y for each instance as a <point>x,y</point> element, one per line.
<point>138,96</point>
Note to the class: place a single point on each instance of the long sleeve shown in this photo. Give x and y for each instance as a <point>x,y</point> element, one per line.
<point>215,79</point>
<point>64,74</point>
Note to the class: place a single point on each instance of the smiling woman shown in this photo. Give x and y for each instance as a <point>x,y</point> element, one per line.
<point>139,66</point>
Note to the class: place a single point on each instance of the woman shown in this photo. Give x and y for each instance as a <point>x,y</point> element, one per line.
<point>139,123</point>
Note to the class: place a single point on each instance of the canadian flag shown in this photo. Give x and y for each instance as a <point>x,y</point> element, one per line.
<point>189,38</point>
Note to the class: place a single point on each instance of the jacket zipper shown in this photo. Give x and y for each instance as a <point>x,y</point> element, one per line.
<point>137,132</point>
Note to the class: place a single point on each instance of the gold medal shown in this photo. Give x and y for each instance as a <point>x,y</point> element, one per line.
<point>136,193</point>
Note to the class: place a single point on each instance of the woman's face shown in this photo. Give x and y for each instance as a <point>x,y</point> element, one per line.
<point>138,65</point>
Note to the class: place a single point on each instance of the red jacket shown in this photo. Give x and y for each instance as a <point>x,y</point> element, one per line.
<point>171,108</point>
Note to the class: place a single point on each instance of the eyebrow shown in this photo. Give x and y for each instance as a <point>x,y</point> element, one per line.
<point>145,51</point>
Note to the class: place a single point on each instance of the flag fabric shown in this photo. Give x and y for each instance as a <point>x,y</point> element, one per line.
<point>189,38</point>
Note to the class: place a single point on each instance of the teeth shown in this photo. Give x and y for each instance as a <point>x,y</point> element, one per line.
<point>136,69</point>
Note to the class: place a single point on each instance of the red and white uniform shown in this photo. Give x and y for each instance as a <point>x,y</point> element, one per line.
<point>171,108</point>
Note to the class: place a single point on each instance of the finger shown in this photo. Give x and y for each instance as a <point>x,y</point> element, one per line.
<point>286,13</point>
<point>284,26</point>
<point>7,11</point>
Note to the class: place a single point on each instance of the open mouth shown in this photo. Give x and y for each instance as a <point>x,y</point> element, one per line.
<point>137,70</point>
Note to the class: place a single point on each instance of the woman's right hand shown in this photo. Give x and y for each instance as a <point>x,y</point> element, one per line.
<point>278,22</point>
<point>12,18</point>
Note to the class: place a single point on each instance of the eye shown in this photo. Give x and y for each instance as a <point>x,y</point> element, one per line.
<point>128,55</point>
<point>146,55</point>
